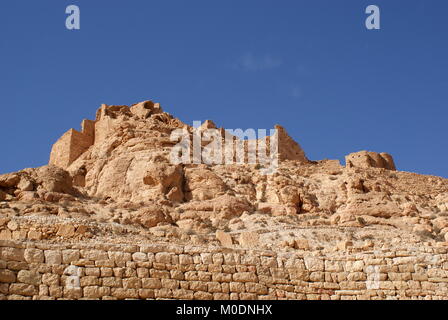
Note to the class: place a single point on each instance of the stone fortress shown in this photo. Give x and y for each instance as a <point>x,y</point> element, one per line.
<point>111,218</point>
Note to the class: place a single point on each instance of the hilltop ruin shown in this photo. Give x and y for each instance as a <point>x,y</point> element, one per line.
<point>112,211</point>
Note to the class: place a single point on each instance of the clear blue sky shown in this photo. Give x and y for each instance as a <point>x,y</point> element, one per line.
<point>311,66</point>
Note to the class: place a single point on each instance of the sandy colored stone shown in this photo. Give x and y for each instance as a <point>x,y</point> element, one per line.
<point>69,256</point>
<point>112,208</point>
<point>34,255</point>
<point>366,159</point>
<point>22,289</point>
<point>53,257</point>
<point>344,245</point>
<point>249,239</point>
<point>5,235</point>
<point>302,244</point>
<point>19,235</point>
<point>7,276</point>
<point>29,277</point>
<point>34,235</point>
<point>12,225</point>
<point>66,231</point>
<point>12,254</point>
<point>224,238</point>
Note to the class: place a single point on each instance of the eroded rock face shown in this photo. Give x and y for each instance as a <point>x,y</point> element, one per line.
<point>203,184</point>
<point>151,216</point>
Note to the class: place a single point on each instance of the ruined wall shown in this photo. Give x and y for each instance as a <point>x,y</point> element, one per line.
<point>105,271</point>
<point>366,159</point>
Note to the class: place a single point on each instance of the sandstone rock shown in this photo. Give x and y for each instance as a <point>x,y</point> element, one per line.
<point>422,229</point>
<point>12,254</point>
<point>151,216</point>
<point>224,238</point>
<point>53,257</point>
<point>202,184</point>
<point>344,245</point>
<point>27,196</point>
<point>249,239</point>
<point>69,256</point>
<point>313,263</point>
<point>34,255</point>
<point>25,185</point>
<point>113,180</point>
<point>66,231</point>
<point>4,221</point>
<point>72,144</point>
<point>440,222</point>
<point>13,225</point>
<point>34,235</point>
<point>277,209</point>
<point>288,149</point>
<point>22,289</point>
<point>167,178</point>
<point>5,235</point>
<point>145,109</point>
<point>375,205</point>
<point>9,180</point>
<point>230,206</point>
<point>19,235</point>
<point>301,244</point>
<point>3,195</point>
<point>366,159</point>
<point>7,276</point>
<point>29,277</point>
<point>54,179</point>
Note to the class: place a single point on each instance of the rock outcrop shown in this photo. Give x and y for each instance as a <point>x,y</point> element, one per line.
<point>366,159</point>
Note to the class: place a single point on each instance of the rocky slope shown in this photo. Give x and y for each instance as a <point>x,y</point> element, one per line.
<point>114,182</point>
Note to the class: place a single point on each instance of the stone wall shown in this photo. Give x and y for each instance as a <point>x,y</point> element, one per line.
<point>72,144</point>
<point>105,271</point>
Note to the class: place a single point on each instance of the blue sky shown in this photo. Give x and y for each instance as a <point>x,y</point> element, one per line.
<point>311,66</point>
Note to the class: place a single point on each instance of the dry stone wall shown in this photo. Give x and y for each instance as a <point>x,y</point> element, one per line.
<point>165,271</point>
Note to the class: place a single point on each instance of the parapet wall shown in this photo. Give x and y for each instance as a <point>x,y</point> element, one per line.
<point>159,271</point>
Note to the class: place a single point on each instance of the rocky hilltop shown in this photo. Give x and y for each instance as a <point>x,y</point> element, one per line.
<point>113,182</point>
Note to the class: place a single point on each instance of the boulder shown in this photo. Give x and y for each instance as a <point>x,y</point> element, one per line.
<point>55,179</point>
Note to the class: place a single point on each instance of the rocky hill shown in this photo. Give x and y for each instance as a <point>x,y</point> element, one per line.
<point>113,182</point>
